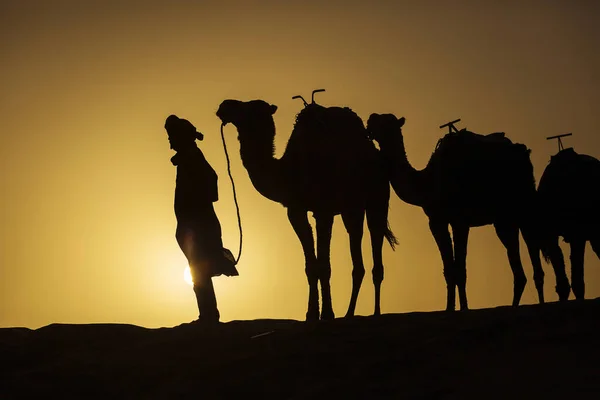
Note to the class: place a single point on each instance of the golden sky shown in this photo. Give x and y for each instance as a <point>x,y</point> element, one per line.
<point>87,223</point>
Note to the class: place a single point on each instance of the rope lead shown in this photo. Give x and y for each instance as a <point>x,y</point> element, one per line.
<point>237,207</point>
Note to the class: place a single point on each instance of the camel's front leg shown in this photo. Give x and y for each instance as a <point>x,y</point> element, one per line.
<point>324,227</point>
<point>353,221</point>
<point>577,257</point>
<point>299,220</point>
<point>441,234</point>
<point>460,234</point>
<point>377,224</point>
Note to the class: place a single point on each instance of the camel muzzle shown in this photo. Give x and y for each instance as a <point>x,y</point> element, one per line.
<point>226,110</point>
<point>223,118</point>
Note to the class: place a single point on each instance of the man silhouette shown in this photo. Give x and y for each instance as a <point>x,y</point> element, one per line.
<point>198,229</point>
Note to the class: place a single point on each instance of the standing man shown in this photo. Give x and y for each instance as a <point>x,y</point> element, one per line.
<point>198,229</point>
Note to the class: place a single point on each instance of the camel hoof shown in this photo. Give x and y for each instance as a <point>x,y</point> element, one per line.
<point>578,291</point>
<point>563,292</point>
<point>541,299</point>
<point>327,316</point>
<point>312,316</point>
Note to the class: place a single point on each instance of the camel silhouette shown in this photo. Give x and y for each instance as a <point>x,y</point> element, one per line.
<point>470,180</point>
<point>568,205</point>
<point>329,167</point>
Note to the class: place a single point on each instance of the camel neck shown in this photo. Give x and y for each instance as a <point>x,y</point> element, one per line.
<point>408,183</point>
<point>265,171</point>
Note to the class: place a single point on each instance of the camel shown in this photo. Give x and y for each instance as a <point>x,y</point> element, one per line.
<point>329,167</point>
<point>470,180</point>
<point>568,202</point>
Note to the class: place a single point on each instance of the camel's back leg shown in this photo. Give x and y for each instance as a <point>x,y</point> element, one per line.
<point>460,235</point>
<point>441,234</point>
<point>324,228</point>
<point>533,248</point>
<point>508,233</point>
<point>377,224</point>
<point>555,254</point>
<point>353,222</point>
<point>299,220</point>
<point>577,256</point>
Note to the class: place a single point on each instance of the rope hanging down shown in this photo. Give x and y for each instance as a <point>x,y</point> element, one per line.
<point>237,207</point>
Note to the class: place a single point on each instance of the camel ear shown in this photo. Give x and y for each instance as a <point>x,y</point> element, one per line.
<point>273,108</point>
<point>401,122</point>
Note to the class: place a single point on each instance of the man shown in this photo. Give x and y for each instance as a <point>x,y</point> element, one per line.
<point>198,229</point>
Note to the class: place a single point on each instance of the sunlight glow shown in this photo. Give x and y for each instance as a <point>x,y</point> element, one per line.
<point>187,276</point>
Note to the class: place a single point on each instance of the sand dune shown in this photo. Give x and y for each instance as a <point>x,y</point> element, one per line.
<point>550,351</point>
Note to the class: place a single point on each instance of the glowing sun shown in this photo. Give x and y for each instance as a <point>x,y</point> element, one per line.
<point>187,276</point>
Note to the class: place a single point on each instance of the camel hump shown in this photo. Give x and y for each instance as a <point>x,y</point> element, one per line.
<point>330,121</point>
<point>496,136</point>
<point>569,158</point>
<point>467,142</point>
<point>469,138</point>
<point>565,154</point>
<point>313,111</point>
<point>332,137</point>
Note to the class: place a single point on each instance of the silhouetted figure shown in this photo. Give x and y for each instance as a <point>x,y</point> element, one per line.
<point>329,167</point>
<point>471,180</point>
<point>569,203</point>
<point>198,229</point>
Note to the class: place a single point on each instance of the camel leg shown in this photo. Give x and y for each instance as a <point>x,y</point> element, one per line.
<point>324,228</point>
<point>299,220</point>
<point>376,221</point>
<point>460,235</point>
<point>441,234</point>
<point>534,254</point>
<point>353,221</point>
<point>563,288</point>
<point>577,256</point>
<point>509,236</point>
<point>596,246</point>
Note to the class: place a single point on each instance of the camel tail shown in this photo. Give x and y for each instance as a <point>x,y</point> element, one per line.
<point>536,229</point>
<point>389,235</point>
<point>545,254</point>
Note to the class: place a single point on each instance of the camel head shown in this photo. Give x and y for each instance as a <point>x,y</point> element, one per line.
<point>380,127</point>
<point>254,113</point>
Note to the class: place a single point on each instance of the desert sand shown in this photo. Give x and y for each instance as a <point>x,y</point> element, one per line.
<point>530,352</point>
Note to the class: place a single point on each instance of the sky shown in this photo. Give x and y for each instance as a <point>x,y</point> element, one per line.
<point>86,212</point>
